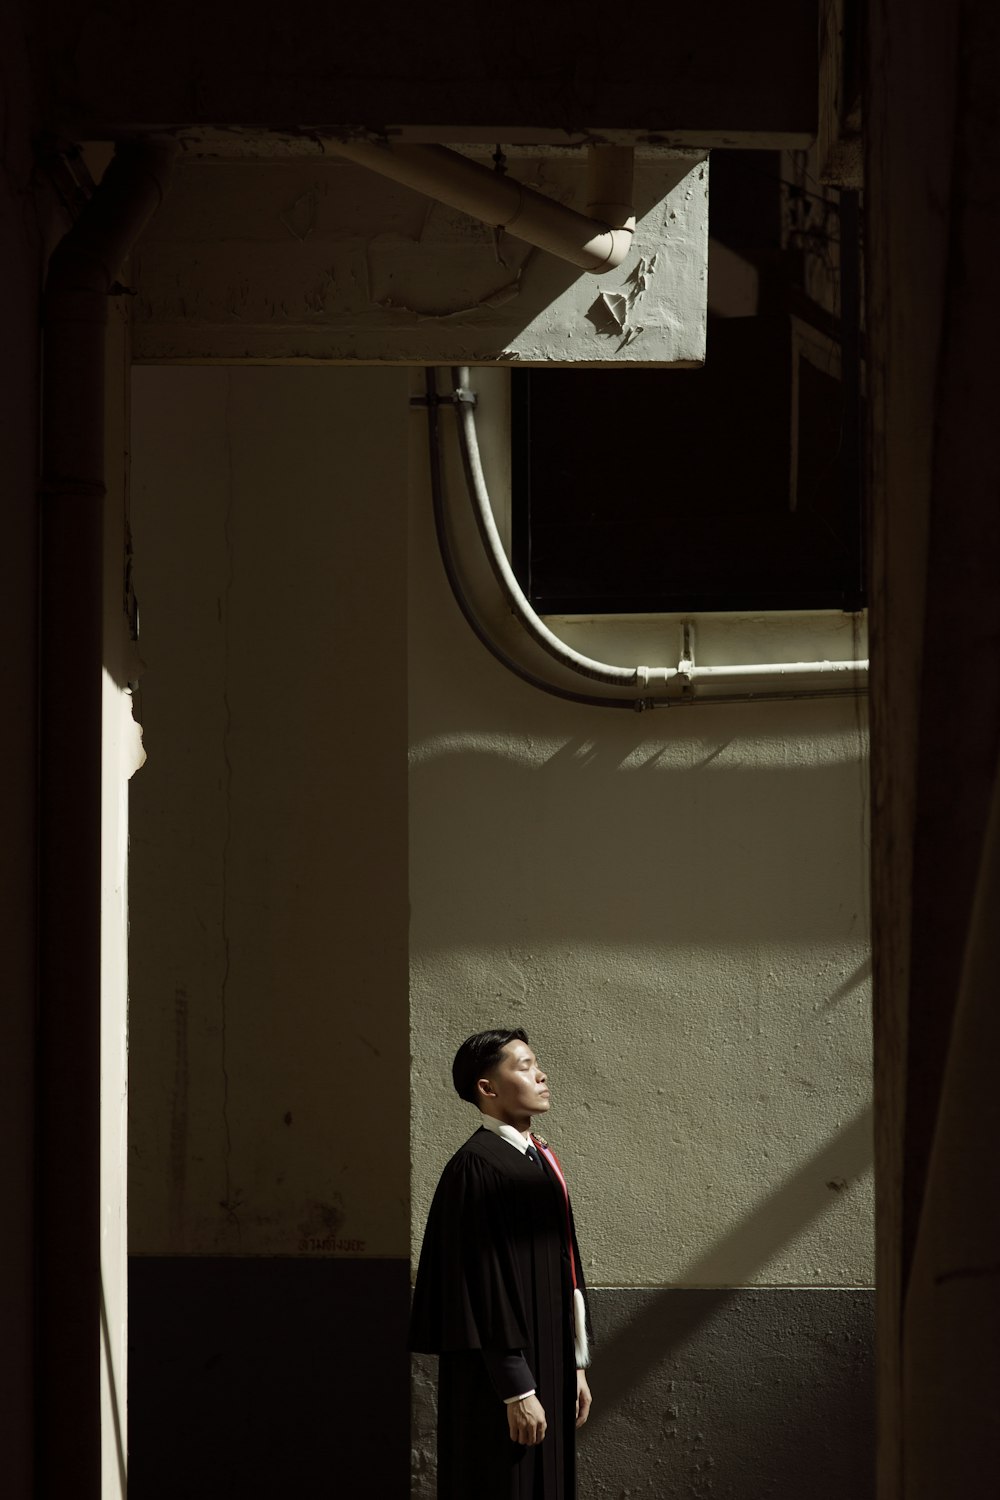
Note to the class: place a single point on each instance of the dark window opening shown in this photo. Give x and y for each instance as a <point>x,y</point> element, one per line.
<point>732,487</point>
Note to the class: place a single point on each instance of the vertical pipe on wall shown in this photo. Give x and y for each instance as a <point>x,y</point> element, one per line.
<point>81,276</point>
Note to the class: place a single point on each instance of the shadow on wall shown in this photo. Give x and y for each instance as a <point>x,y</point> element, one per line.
<point>113,1394</point>
<point>634,1349</point>
<point>770,1393</point>
<point>749,1391</point>
<point>702,852</point>
<point>859,976</point>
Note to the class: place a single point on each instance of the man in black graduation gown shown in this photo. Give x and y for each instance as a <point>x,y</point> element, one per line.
<point>500,1294</point>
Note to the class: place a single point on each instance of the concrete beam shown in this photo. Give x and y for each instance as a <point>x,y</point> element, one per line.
<point>697,75</point>
<point>322,260</point>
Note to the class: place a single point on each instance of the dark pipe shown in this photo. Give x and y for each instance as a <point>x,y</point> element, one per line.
<point>81,275</point>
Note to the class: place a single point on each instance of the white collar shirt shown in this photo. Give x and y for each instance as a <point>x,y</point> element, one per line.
<point>506,1133</point>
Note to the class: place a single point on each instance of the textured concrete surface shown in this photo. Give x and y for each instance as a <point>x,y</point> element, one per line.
<point>326,260</point>
<point>734,1395</point>
<point>675,907</point>
<point>268,867</point>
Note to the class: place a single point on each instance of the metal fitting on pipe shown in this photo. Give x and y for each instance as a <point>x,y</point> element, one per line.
<point>596,244</point>
<point>609,186</point>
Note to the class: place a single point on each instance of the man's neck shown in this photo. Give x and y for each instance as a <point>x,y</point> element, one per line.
<point>522,1123</point>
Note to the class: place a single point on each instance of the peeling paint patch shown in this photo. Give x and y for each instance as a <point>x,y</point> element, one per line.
<point>640,276</point>
<point>337,264</point>
<point>316,298</point>
<point>300,217</point>
<point>611,312</point>
<point>631,334</point>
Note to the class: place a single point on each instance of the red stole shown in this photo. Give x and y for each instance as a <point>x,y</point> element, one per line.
<point>553,1161</point>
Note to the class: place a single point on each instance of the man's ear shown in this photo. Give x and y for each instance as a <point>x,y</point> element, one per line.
<point>486,1088</point>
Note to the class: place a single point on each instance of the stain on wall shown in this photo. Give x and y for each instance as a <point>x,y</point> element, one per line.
<point>268,896</point>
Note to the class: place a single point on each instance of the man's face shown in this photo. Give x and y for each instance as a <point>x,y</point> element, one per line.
<point>517,1087</point>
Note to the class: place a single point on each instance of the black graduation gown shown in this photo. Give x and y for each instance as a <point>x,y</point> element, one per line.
<point>495,1274</point>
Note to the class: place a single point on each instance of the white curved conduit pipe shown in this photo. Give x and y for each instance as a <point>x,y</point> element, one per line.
<point>850,675</point>
<point>540,633</point>
<point>597,241</point>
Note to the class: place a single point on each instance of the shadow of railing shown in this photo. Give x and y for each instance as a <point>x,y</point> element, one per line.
<point>113,1396</point>
<point>666,1323</point>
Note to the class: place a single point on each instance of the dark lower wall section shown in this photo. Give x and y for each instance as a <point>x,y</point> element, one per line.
<point>717,1395</point>
<point>267,1377</point>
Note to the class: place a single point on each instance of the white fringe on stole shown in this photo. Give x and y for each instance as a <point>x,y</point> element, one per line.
<point>580,1330</point>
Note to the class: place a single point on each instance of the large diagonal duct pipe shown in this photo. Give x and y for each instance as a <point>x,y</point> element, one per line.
<point>81,276</point>
<point>598,240</point>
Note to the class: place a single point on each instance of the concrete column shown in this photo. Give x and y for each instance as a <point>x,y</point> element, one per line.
<point>22,233</point>
<point>269,1161</point>
<point>934,318</point>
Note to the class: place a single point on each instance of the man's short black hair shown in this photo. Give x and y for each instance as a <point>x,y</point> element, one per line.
<point>479,1055</point>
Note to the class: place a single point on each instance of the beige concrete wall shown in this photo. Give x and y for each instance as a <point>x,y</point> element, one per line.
<point>675,907</point>
<point>320,259</point>
<point>269,1067</point>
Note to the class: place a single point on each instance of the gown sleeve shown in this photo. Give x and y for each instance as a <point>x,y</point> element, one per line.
<point>509,1373</point>
<point>468,1293</point>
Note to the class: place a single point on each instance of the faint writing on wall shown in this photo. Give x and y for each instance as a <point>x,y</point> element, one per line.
<point>329,1244</point>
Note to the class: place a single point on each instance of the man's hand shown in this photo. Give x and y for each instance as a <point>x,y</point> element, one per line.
<point>584,1400</point>
<point>526,1420</point>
